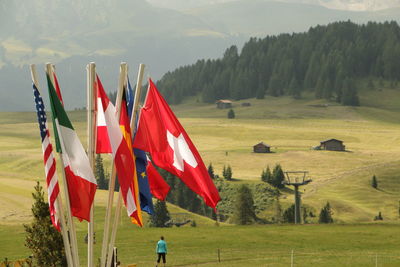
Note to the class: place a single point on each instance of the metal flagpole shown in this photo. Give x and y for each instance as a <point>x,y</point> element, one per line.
<point>58,202</point>
<point>105,254</point>
<point>74,245</point>
<point>132,124</point>
<point>91,127</point>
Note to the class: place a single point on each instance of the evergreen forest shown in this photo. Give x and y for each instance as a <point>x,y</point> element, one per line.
<point>327,61</point>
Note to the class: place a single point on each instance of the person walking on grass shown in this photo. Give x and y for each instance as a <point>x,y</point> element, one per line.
<point>161,250</point>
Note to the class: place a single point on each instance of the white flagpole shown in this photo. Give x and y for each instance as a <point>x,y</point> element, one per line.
<point>111,187</point>
<point>132,124</point>
<point>74,245</point>
<point>105,254</point>
<point>58,202</point>
<point>91,127</point>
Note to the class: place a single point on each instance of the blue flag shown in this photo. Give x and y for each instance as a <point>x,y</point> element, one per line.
<point>146,203</point>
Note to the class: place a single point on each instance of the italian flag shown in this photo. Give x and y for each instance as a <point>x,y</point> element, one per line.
<point>80,178</point>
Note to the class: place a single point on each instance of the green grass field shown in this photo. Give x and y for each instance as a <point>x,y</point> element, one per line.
<point>267,245</point>
<point>291,127</point>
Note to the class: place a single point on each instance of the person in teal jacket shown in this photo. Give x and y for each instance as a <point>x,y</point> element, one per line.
<point>161,250</point>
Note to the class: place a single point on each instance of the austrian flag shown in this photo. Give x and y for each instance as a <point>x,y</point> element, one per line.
<point>160,133</point>
<point>122,155</point>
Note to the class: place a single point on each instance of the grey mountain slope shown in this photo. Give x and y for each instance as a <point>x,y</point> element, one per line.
<point>257,17</point>
<point>355,5</point>
<point>75,32</point>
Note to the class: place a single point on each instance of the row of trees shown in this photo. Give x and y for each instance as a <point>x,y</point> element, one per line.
<point>327,60</point>
<point>245,212</point>
<point>185,198</point>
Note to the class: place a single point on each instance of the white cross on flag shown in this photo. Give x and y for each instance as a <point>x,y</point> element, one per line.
<point>160,133</point>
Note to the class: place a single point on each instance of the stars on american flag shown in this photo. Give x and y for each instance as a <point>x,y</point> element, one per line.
<point>41,113</point>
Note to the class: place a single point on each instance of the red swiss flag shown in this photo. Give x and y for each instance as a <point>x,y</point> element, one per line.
<point>160,133</point>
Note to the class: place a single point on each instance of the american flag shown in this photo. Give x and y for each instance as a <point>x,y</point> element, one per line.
<point>53,188</point>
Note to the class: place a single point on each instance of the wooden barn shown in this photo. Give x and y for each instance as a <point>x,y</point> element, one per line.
<point>332,144</point>
<point>223,103</point>
<point>262,148</point>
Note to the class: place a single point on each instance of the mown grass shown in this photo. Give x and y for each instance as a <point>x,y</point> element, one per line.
<point>328,245</point>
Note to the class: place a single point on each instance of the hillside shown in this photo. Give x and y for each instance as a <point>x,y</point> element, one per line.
<point>330,61</point>
<point>290,126</point>
<point>64,33</point>
<point>355,5</point>
<point>276,17</point>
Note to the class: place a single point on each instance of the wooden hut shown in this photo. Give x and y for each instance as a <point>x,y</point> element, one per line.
<point>332,144</point>
<point>223,103</point>
<point>262,148</point>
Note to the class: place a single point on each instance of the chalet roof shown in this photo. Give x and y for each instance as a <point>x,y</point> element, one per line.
<point>332,139</point>
<point>262,143</point>
<point>224,101</point>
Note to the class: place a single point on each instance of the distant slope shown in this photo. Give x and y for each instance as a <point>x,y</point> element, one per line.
<point>258,17</point>
<point>290,126</point>
<point>331,61</point>
<point>355,5</point>
<point>73,33</point>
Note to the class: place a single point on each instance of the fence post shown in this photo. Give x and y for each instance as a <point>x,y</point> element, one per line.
<point>292,259</point>
<point>219,255</point>
<point>376,260</point>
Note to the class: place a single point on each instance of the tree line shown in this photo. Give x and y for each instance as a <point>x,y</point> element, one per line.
<point>328,61</point>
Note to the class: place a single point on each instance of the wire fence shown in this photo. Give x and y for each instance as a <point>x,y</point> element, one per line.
<point>228,257</point>
<point>291,258</point>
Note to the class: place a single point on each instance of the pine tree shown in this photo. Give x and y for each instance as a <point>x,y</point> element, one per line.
<point>193,202</point>
<point>349,94</point>
<point>160,216</point>
<point>231,114</point>
<point>102,181</point>
<point>179,192</point>
<point>374,182</point>
<point>210,171</point>
<point>370,84</point>
<point>228,173</point>
<point>325,216</point>
<point>266,175</point>
<point>260,91</point>
<point>244,207</point>
<point>278,211</point>
<point>224,172</point>
<point>278,177</point>
<point>42,238</point>
<point>288,214</point>
<point>294,88</point>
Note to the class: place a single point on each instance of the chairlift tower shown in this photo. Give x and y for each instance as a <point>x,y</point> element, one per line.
<point>297,179</point>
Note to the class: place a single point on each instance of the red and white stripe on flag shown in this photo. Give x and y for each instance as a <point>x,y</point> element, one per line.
<point>122,155</point>
<point>53,188</point>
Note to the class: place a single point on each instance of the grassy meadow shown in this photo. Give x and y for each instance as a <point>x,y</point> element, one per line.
<point>371,134</point>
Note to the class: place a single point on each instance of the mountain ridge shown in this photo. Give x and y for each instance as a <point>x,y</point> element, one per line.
<point>64,33</point>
